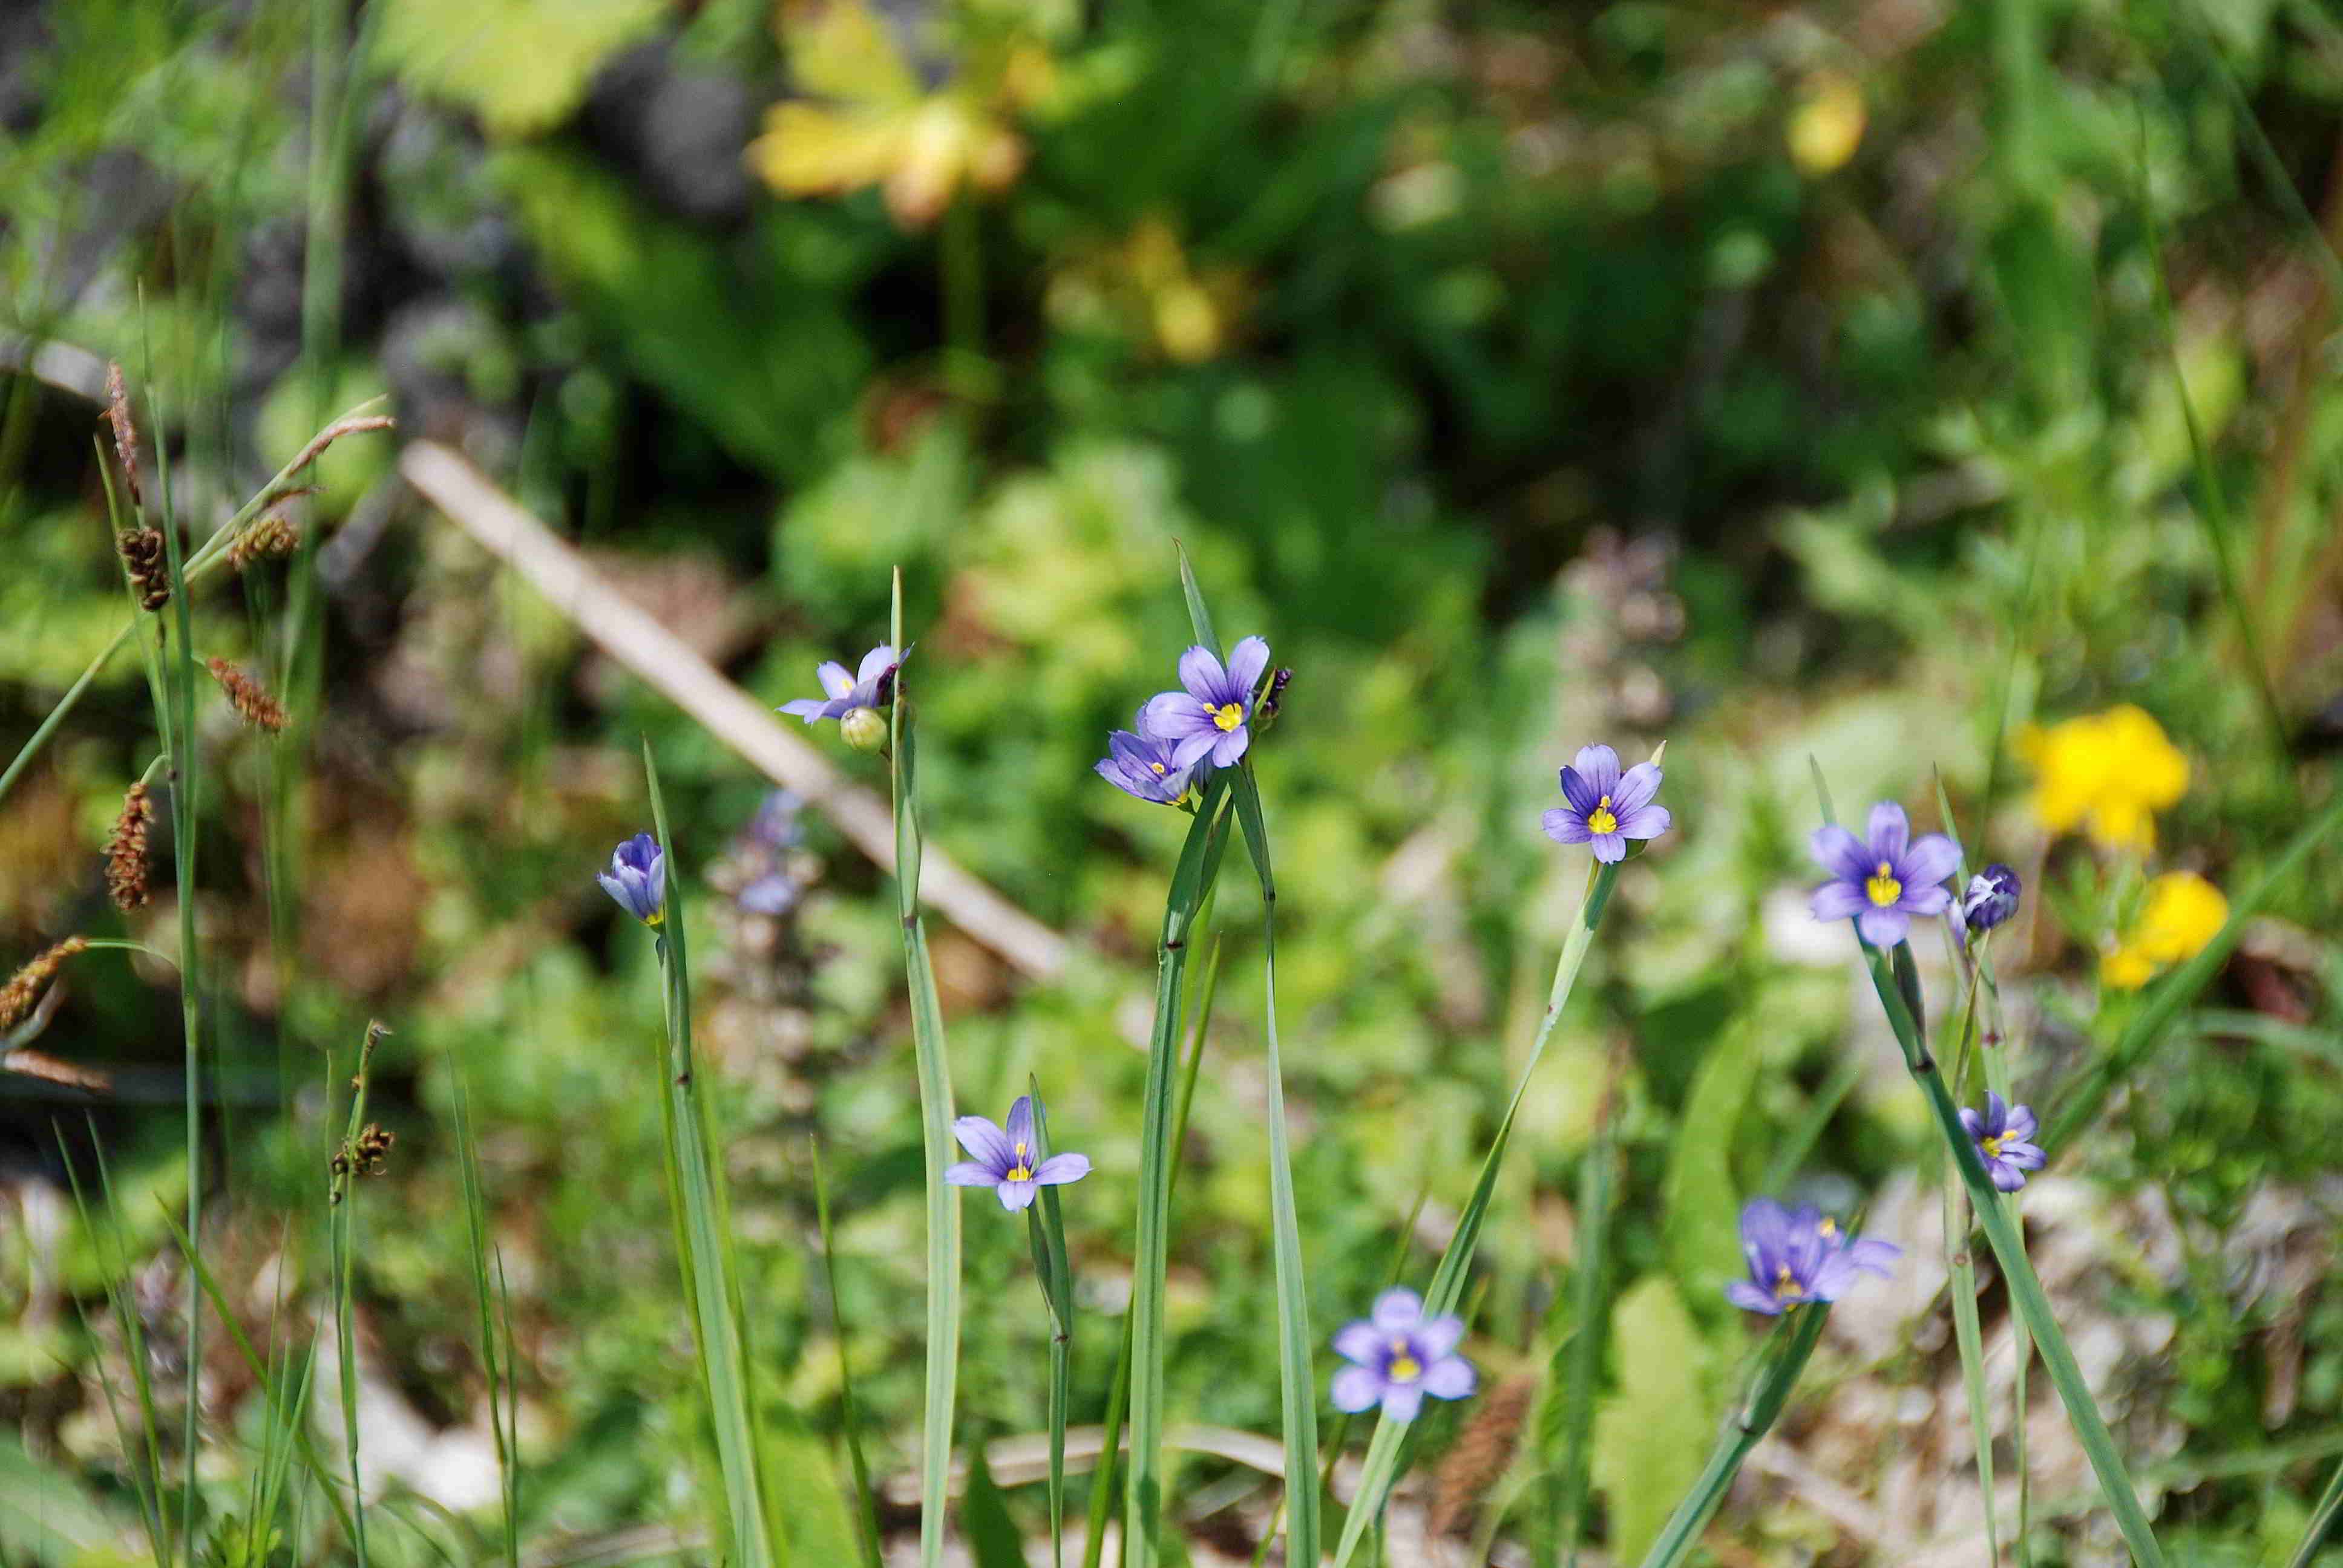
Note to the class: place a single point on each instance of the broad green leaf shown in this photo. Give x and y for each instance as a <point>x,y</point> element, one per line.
<point>1651,1436</point>
<point>1703,1203</point>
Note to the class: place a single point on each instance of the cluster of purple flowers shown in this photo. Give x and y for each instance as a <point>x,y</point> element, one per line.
<point>1207,724</point>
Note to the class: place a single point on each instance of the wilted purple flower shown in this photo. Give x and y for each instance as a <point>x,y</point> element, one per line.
<point>1005,1158</point>
<point>2003,1136</point>
<point>1397,1357</point>
<point>1209,719</point>
<point>1606,806</point>
<point>638,878</point>
<point>872,686</point>
<point>1146,769</point>
<point>1881,884</point>
<point>1800,1256</point>
<point>1991,898</point>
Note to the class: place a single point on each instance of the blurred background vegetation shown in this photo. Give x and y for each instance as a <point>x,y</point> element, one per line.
<point>1818,379</point>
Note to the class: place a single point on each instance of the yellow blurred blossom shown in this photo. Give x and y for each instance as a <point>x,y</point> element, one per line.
<point>869,122</point>
<point>1150,285</point>
<point>1828,124</point>
<point>2182,913</point>
<point>2107,772</point>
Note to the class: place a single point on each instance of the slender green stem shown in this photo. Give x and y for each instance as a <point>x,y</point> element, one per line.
<point>936,1118</point>
<point>1381,1468</point>
<point>1045,1225</point>
<point>865,1521</point>
<point>341,1224</point>
<point>1968,1331</point>
<point>2322,1522</point>
<point>712,1283</point>
<point>1794,1342</point>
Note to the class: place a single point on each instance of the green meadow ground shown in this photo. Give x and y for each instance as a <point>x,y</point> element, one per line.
<point>1838,387</point>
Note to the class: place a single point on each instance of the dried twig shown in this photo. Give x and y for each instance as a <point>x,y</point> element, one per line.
<point>639,641</point>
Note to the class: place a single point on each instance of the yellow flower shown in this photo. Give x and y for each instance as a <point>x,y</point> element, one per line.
<point>2107,772</point>
<point>1828,124</point>
<point>877,125</point>
<point>2183,912</point>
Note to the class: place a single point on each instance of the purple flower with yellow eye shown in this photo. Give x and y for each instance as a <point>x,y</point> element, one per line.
<point>1882,883</point>
<point>1207,722</point>
<point>638,878</point>
<point>1796,1256</point>
<point>1145,769</point>
<point>872,686</point>
<point>1397,1356</point>
<point>2004,1138</point>
<point>1607,807</point>
<point>1008,1159</point>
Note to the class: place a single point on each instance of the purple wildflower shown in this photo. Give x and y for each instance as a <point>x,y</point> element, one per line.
<point>1142,767</point>
<point>872,686</point>
<point>1800,1256</point>
<point>638,878</point>
<point>1397,1356</point>
<point>1991,898</point>
<point>1607,807</point>
<point>2004,1139</point>
<point>1006,1159</point>
<point>1881,884</point>
<point>1208,720</point>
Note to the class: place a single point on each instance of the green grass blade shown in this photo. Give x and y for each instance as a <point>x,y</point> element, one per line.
<point>492,1357</point>
<point>2322,1522</point>
<point>1595,1179</point>
<point>341,1223</point>
<point>992,1537</point>
<point>866,1518</point>
<point>1199,864</point>
<point>2181,987</point>
<point>1794,1342</point>
<point>936,1118</point>
<point>1046,1224</point>
<point>1298,1403</point>
<point>147,1481</point>
<point>710,1249</point>
<point>1381,1468</point>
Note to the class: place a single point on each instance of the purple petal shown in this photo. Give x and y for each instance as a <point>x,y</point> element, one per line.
<point>1575,790</point>
<point>1832,1278</point>
<point>2021,1123</point>
<point>1743,1294</point>
<point>1397,1311</point>
<point>1173,716</point>
<point>1356,1388</point>
<point>874,665</point>
<point>1637,787</point>
<point>1929,900</point>
<point>1401,1401</point>
<point>1840,853</point>
<point>1599,766</point>
<point>833,678</point>
<point>969,1173</point>
<point>1997,1114</point>
<point>1931,858</point>
<point>1358,1341</point>
<point>1020,1125</point>
<point>1838,901</point>
<point>1193,748</point>
<point>1644,822</point>
<point>1016,1195</point>
<point>1201,673</point>
<point>1871,1256</point>
<point>985,1143</point>
<point>1563,826</point>
<point>1883,928</point>
<point>1451,1377</point>
<point>1437,1337</point>
<point>1890,830</point>
<point>2005,1176</point>
<point>1609,848</point>
<point>1246,662</point>
<point>1059,1169</point>
<point>2025,1156</point>
<point>1230,746</point>
<point>1765,1235</point>
<point>806,708</point>
<point>1971,1124</point>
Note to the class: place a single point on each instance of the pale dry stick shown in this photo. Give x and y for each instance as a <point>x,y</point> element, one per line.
<point>664,661</point>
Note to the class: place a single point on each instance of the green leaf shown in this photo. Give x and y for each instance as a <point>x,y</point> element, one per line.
<point>1648,1436</point>
<point>1703,1202</point>
<point>522,65</point>
<point>984,1517</point>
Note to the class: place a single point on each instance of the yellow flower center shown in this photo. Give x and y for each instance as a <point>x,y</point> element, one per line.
<point>1786,1286</point>
<point>1992,1146</point>
<point>1883,888</point>
<point>1403,1367</point>
<point>1227,716</point>
<point>1603,819</point>
<point>1827,1228</point>
<point>1023,1170</point>
<point>655,917</point>
<point>1158,767</point>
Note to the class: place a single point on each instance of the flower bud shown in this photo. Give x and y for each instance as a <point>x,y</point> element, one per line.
<point>1991,897</point>
<point>865,729</point>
